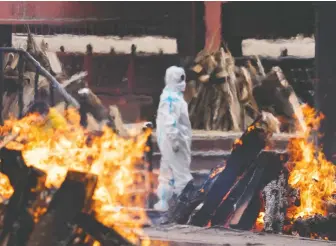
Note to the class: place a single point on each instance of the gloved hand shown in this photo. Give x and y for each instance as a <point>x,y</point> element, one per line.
<point>176,146</point>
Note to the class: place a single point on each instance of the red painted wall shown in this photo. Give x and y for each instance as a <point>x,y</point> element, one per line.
<point>213,24</point>
<point>56,12</point>
<point>22,12</point>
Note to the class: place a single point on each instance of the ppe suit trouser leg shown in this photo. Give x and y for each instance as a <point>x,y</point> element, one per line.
<point>181,169</point>
<point>165,189</point>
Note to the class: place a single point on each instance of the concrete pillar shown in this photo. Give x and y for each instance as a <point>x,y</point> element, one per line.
<point>325,54</point>
<point>213,25</point>
<point>6,35</point>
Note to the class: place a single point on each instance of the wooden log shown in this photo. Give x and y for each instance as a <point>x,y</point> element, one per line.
<point>90,103</point>
<point>35,51</point>
<point>190,197</point>
<point>54,227</point>
<point>72,86</point>
<point>245,218</point>
<point>245,151</point>
<point>105,236</point>
<point>317,226</point>
<point>234,204</point>
<point>18,222</point>
<point>13,165</point>
<point>269,166</point>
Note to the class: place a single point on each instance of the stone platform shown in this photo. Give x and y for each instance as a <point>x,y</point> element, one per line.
<point>179,235</point>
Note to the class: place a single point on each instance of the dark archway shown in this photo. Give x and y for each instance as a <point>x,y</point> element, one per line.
<point>325,54</point>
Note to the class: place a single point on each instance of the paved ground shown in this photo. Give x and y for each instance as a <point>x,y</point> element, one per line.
<point>186,235</point>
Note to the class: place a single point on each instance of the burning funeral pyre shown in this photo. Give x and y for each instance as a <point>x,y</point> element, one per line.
<point>63,181</point>
<point>257,189</point>
<point>68,172</point>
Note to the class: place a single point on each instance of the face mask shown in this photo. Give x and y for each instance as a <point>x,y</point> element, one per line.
<point>181,86</point>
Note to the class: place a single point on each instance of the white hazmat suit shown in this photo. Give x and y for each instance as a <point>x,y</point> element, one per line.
<point>174,138</point>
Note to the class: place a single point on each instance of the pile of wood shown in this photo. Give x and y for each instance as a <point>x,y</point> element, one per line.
<point>231,194</point>
<point>223,96</point>
<point>94,113</point>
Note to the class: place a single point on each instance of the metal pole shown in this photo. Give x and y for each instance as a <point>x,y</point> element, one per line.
<point>51,92</point>
<point>52,80</point>
<point>20,86</point>
<point>36,96</point>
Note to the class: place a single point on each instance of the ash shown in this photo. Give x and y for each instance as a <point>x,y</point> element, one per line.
<point>274,195</point>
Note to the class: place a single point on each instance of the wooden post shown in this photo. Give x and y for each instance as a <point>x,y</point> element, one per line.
<point>88,68</point>
<point>325,54</point>
<point>6,35</point>
<point>131,72</point>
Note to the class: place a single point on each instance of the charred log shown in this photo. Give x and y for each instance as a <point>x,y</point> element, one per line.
<point>229,203</point>
<point>190,197</point>
<point>90,103</point>
<point>13,165</point>
<point>317,226</point>
<point>245,151</point>
<point>106,236</point>
<point>248,215</point>
<point>55,226</point>
<point>18,221</point>
<point>242,205</point>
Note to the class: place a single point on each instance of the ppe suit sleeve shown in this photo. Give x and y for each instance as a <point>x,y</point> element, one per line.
<point>171,112</point>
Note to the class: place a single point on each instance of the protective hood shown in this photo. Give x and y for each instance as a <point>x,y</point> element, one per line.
<point>175,79</point>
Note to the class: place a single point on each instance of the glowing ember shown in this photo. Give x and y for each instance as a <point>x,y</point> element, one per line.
<point>259,225</point>
<point>56,146</point>
<point>216,171</point>
<point>6,190</point>
<point>310,172</point>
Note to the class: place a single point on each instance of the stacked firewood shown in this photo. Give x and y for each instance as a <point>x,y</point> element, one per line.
<point>231,194</point>
<point>96,114</point>
<point>223,96</point>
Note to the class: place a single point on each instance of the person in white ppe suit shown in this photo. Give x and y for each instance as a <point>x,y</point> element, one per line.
<point>174,138</point>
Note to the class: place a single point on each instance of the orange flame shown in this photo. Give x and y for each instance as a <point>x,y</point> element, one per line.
<point>57,149</point>
<point>310,172</point>
<point>259,225</point>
